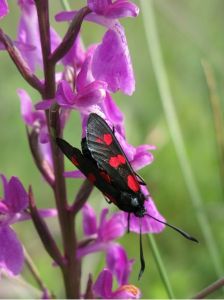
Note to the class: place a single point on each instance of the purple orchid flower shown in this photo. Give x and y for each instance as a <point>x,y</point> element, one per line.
<point>103,288</point>
<point>114,9</point>
<point>4,9</point>
<point>103,237</point>
<point>112,62</point>
<point>37,121</point>
<point>111,59</point>
<point>76,55</point>
<point>12,206</point>
<point>28,33</point>
<point>104,234</point>
<point>33,118</point>
<point>88,92</point>
<point>118,263</point>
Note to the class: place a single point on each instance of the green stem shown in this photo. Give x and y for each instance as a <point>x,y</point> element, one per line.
<point>216,109</point>
<point>171,116</point>
<point>160,266</point>
<point>65,5</point>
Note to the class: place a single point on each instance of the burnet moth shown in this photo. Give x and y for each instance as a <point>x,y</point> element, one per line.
<point>106,166</point>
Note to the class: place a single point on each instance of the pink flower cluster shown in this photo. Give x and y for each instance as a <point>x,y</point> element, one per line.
<point>86,84</point>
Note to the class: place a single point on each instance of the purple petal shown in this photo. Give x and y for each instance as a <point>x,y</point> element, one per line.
<point>92,17</point>
<point>103,285</point>
<point>91,94</point>
<point>28,115</point>
<point>98,6</point>
<point>26,107</point>
<point>74,174</point>
<point>112,110</point>
<point>96,246</point>
<point>3,208</point>
<point>11,252</point>
<point>65,16</point>
<point>4,9</point>
<point>45,104</point>
<point>24,216</point>
<point>85,76</point>
<point>112,62</point>
<point>28,33</point>
<point>112,228</point>
<point>48,212</point>
<point>47,162</point>
<point>121,9</point>
<point>127,291</point>
<point>142,157</point>
<point>76,55</point>
<point>115,10</point>
<point>64,95</point>
<point>17,197</point>
<point>89,220</point>
<point>118,263</point>
<point>5,186</point>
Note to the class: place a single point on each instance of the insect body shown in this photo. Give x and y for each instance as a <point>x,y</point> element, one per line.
<point>106,166</point>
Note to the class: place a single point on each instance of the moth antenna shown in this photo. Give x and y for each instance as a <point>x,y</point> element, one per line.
<point>183,233</point>
<point>141,252</point>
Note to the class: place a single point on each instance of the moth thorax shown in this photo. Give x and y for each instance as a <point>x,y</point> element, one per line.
<point>134,202</point>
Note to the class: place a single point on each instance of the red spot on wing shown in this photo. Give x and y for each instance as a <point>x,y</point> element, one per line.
<point>105,176</point>
<point>91,177</point>
<point>74,160</point>
<point>107,138</point>
<point>116,161</point>
<point>99,140</point>
<point>121,159</point>
<point>132,183</point>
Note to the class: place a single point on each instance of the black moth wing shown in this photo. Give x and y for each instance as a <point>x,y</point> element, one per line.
<point>107,152</point>
<point>88,168</point>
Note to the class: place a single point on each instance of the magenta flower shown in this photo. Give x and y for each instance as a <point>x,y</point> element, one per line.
<point>36,120</point>
<point>114,9</point>
<point>28,33</point>
<point>104,234</point>
<point>111,59</point>
<point>12,206</point>
<point>4,9</point>
<point>118,263</point>
<point>76,55</point>
<point>103,288</point>
<point>112,62</point>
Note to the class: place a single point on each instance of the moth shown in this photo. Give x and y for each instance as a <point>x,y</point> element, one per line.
<point>104,163</point>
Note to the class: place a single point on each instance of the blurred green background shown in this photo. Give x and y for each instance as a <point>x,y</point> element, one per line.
<point>190,31</point>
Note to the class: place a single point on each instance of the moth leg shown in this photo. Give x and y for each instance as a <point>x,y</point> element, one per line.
<point>140,180</point>
<point>108,200</point>
<point>129,215</point>
<point>113,130</point>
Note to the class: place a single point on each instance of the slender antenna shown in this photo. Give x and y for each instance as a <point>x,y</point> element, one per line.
<point>185,234</point>
<point>141,252</point>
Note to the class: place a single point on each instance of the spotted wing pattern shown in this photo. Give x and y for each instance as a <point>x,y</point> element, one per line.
<point>96,176</point>
<point>107,152</point>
